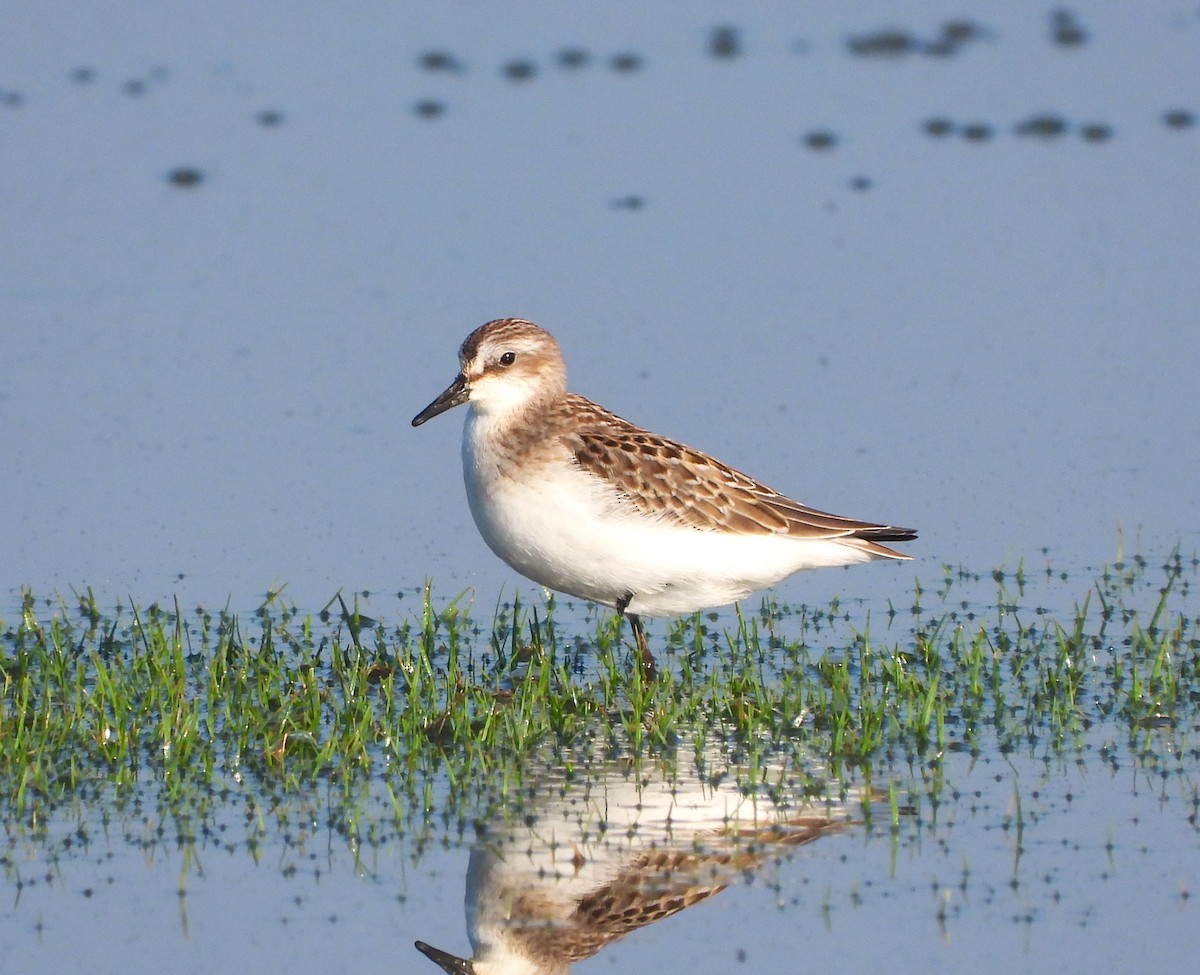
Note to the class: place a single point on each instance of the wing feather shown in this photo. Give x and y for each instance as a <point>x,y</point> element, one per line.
<point>676,483</point>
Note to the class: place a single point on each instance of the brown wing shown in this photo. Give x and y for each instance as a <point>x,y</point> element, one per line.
<point>654,473</point>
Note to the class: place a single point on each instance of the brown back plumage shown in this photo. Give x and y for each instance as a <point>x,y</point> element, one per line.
<point>655,473</point>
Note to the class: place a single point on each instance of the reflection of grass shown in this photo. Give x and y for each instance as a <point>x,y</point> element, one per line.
<point>424,724</point>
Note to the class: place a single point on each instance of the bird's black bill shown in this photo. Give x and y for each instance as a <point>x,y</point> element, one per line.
<point>448,963</point>
<point>453,395</point>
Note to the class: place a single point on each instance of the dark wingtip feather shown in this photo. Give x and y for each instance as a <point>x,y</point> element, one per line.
<point>888,533</point>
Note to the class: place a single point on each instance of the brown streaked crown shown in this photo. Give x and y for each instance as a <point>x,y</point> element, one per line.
<point>495,334</point>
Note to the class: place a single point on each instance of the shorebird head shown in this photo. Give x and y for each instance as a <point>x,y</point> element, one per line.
<point>503,366</point>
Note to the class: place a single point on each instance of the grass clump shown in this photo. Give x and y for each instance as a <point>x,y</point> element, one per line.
<point>420,726</point>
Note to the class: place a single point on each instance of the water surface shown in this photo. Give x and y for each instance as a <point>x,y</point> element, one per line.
<point>937,276</point>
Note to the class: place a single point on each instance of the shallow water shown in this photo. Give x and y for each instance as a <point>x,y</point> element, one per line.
<point>988,334</point>
<point>210,386</point>
<point>1069,864</point>
<point>1062,846</point>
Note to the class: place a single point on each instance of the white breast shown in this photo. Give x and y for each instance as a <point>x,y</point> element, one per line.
<point>570,531</point>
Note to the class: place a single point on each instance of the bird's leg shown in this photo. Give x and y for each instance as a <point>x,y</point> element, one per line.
<point>639,636</point>
<point>646,658</point>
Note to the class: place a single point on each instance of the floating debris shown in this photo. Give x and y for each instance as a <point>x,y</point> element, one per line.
<point>894,42</point>
<point>938,127</point>
<point>1179,118</point>
<point>961,31</point>
<point>626,61</point>
<point>520,70</point>
<point>725,42</point>
<point>441,61</point>
<point>1043,126</point>
<point>955,34</point>
<point>888,43</point>
<point>185,177</point>
<point>819,139</point>
<point>429,108</point>
<point>573,57</point>
<point>1096,131</point>
<point>1065,30</point>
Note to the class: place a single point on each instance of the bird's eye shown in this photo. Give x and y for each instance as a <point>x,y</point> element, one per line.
<point>508,358</point>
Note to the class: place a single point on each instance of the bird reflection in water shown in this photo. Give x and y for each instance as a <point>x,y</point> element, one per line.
<point>624,847</point>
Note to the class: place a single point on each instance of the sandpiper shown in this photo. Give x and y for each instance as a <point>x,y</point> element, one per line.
<point>584,502</point>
